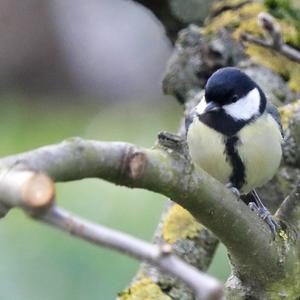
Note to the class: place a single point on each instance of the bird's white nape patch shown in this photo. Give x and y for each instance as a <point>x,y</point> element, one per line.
<point>245,108</point>
<point>201,106</point>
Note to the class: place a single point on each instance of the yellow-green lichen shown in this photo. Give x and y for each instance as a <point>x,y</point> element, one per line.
<point>227,19</point>
<point>283,235</point>
<point>290,33</point>
<point>226,3</point>
<point>244,20</point>
<point>248,24</point>
<point>287,13</point>
<point>143,289</point>
<point>287,111</point>
<point>294,77</point>
<point>278,63</point>
<point>179,224</point>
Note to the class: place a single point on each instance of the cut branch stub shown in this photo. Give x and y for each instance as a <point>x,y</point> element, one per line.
<point>38,191</point>
<point>137,163</point>
<point>30,190</point>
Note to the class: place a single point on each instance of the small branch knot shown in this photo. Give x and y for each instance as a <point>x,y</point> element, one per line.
<point>165,249</point>
<point>173,142</point>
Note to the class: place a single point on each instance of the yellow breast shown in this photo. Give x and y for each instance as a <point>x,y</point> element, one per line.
<point>207,150</point>
<point>259,148</point>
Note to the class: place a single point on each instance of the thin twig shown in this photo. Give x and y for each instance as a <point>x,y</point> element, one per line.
<point>273,39</point>
<point>204,286</point>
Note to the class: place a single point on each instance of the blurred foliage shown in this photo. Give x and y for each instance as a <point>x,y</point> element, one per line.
<point>38,262</point>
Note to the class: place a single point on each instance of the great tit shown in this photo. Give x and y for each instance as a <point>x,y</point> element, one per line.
<point>235,135</point>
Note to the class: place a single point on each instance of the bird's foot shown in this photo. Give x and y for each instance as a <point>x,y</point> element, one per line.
<point>264,213</point>
<point>234,190</point>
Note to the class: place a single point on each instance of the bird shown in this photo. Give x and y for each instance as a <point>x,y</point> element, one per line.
<point>234,133</point>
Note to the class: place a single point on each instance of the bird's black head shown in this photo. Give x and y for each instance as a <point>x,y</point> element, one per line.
<point>228,85</point>
<point>232,99</point>
<point>234,91</point>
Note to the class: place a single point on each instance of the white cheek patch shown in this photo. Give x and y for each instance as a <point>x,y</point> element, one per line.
<point>245,108</point>
<point>201,106</point>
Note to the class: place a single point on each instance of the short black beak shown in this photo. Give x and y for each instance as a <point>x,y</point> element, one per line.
<point>211,106</point>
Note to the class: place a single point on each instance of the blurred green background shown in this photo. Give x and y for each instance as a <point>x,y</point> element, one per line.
<point>92,69</point>
<point>38,262</point>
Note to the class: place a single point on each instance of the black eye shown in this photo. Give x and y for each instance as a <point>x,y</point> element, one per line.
<point>234,98</point>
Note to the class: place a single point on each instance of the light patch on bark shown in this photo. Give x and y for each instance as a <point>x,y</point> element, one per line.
<point>180,224</point>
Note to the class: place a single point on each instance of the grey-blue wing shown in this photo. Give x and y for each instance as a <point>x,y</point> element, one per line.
<point>272,110</point>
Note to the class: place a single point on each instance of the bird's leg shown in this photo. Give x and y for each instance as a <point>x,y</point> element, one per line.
<point>233,189</point>
<point>257,206</point>
<point>263,212</point>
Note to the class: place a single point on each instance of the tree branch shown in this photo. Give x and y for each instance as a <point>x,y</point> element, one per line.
<point>170,174</point>
<point>34,192</point>
<point>275,40</point>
